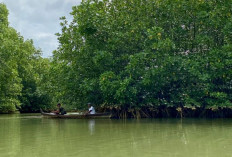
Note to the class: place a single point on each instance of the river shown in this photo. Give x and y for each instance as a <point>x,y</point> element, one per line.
<point>30,135</point>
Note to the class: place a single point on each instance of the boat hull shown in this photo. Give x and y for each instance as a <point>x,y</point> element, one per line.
<point>77,116</point>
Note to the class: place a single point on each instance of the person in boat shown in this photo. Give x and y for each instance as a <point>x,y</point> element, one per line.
<point>60,110</point>
<point>91,109</point>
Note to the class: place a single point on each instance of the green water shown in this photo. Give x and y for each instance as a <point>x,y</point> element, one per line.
<point>30,135</point>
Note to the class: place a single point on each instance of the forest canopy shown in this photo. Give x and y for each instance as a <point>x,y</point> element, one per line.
<point>136,58</point>
<point>132,55</point>
<point>21,71</point>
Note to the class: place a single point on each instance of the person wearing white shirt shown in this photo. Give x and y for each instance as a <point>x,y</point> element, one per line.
<point>91,109</point>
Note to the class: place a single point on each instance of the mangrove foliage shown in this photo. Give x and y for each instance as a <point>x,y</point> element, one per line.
<point>135,58</point>
<point>22,71</point>
<point>142,57</point>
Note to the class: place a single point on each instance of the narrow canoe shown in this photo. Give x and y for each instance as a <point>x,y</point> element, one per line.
<point>77,116</point>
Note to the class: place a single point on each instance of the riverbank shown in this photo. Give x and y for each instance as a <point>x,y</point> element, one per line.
<point>171,112</point>
<point>158,112</point>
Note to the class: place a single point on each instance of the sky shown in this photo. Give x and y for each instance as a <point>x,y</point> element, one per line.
<point>39,20</point>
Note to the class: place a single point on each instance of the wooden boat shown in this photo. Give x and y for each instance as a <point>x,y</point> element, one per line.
<point>76,116</point>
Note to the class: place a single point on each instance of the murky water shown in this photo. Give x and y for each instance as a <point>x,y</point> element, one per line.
<point>30,135</point>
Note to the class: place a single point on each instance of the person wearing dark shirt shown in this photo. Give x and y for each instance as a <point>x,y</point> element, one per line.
<point>60,110</point>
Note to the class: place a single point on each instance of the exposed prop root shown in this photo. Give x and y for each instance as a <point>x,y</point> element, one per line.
<point>172,112</point>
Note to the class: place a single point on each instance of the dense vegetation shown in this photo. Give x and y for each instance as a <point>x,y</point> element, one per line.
<point>136,58</point>
<point>22,71</point>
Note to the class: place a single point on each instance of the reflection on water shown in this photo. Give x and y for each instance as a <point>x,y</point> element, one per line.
<point>33,136</point>
<point>91,124</point>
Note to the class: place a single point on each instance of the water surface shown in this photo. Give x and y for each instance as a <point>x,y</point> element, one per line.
<point>30,135</point>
